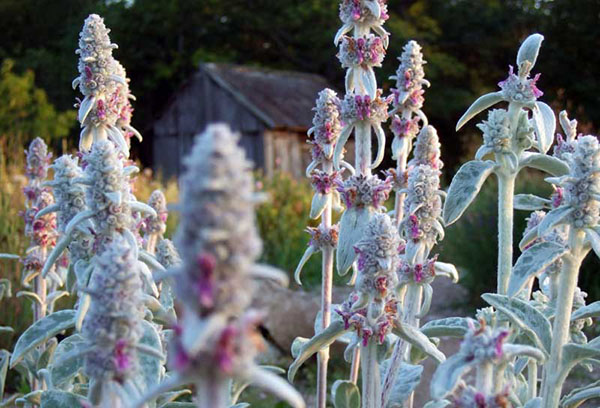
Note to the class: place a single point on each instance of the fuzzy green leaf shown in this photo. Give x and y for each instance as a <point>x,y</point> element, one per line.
<point>448,327</point>
<point>63,371</point>
<point>549,164</point>
<point>530,49</point>
<point>345,394</point>
<point>591,310</point>
<point>40,332</point>
<point>535,325</point>
<point>312,346</point>
<point>464,188</point>
<point>352,224</point>
<point>530,202</point>
<point>407,380</point>
<point>60,399</point>
<point>150,365</point>
<point>447,375</point>
<point>480,104</point>
<point>544,123</point>
<point>532,262</point>
<point>579,395</point>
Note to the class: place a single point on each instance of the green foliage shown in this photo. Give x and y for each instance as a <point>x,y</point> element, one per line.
<point>25,111</point>
<point>282,219</point>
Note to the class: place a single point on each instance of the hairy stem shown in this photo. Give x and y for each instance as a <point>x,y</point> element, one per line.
<point>506,193</point>
<point>553,376</point>
<point>371,381</point>
<point>532,379</point>
<point>411,306</point>
<point>212,393</point>
<point>326,291</point>
<point>484,378</point>
<point>355,367</point>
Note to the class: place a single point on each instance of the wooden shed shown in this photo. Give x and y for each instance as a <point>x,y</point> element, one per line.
<point>272,110</point>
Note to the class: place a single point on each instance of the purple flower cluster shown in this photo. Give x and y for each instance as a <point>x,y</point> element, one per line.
<point>520,90</point>
<point>361,191</point>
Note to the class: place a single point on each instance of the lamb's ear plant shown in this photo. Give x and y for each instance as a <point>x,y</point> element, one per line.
<point>508,134</point>
<point>216,339</point>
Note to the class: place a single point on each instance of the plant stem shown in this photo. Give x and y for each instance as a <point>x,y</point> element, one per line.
<point>484,378</point>
<point>554,376</point>
<point>506,193</point>
<point>212,393</point>
<point>326,292</point>
<point>411,306</point>
<point>371,380</point>
<point>354,368</point>
<point>362,142</point>
<point>532,379</point>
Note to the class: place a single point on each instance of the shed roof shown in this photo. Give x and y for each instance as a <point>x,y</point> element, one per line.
<point>281,99</point>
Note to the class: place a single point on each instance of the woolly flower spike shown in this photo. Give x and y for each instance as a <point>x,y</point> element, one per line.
<point>218,240</point>
<point>156,224</point>
<point>496,133</point>
<point>378,257</point>
<point>420,273</point>
<point>70,196</point>
<point>363,15</point>
<point>95,57</point>
<point>112,326</point>
<point>423,207</point>
<point>427,149</point>
<point>326,123</point>
<point>167,254</point>
<point>581,188</point>
<point>108,190</point>
<point>469,397</point>
<point>217,339</point>
<point>38,160</point>
<point>42,230</point>
<point>410,78</point>
<point>567,144</point>
<point>520,89</point>
<point>102,82</point>
<point>364,191</point>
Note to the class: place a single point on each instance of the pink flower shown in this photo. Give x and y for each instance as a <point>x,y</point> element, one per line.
<point>226,349</point>
<point>122,359</point>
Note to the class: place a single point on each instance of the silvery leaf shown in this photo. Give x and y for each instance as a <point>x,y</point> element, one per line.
<point>532,262</point>
<point>318,342</point>
<point>553,218</point>
<point>480,104</point>
<point>447,375</point>
<point>448,327</point>
<point>319,202</point>
<point>594,239</point>
<point>544,123</point>
<point>464,188</point>
<point>40,332</point>
<point>345,394</point>
<point>399,145</point>
<point>550,164</point>
<point>535,325</point>
<point>579,395</point>
<point>408,378</point>
<point>591,310</point>
<point>150,366</point>
<point>572,354</point>
<point>418,340</point>
<point>534,403</point>
<point>63,371</point>
<point>60,399</point>
<point>530,49</point>
<point>530,202</point>
<point>352,224</point>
